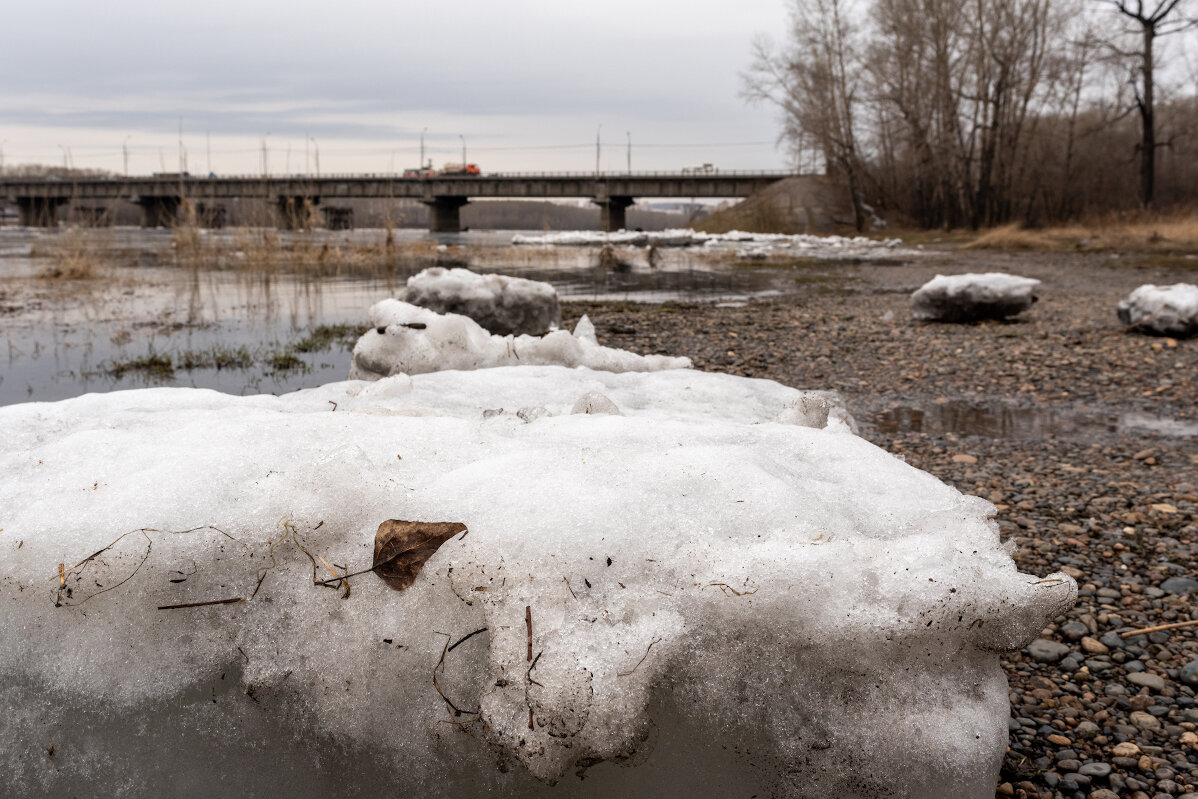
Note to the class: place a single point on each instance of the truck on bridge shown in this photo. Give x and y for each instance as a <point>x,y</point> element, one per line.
<point>460,169</point>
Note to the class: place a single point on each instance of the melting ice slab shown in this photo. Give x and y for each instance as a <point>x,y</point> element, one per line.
<point>406,339</point>
<point>971,297</point>
<point>684,598</point>
<point>1163,310</point>
<point>501,304</point>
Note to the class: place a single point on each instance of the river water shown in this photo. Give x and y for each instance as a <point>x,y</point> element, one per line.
<point>139,319</point>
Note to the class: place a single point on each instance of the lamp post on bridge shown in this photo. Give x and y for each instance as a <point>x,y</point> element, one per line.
<point>316,147</point>
<point>125,152</point>
<point>422,147</point>
<point>2,143</point>
<point>598,130</point>
<point>628,133</point>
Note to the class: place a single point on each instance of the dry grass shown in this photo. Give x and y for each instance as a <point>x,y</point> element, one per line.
<point>82,253</point>
<point>1175,233</point>
<point>78,254</point>
<point>313,254</point>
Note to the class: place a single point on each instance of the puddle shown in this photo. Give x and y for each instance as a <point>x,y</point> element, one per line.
<point>996,420</point>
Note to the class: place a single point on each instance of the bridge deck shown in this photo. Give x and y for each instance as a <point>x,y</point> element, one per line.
<point>160,196</point>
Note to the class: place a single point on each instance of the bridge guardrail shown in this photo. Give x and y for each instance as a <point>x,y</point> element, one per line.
<point>727,173</point>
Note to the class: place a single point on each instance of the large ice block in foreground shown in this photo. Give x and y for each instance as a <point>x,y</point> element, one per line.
<point>1163,310</point>
<point>972,297</point>
<point>503,305</point>
<point>405,339</point>
<point>687,598</point>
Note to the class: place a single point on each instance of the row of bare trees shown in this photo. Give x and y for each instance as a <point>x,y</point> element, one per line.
<point>980,112</point>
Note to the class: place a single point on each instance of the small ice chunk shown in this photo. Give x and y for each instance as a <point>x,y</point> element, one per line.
<point>972,297</point>
<point>594,402</point>
<point>411,340</point>
<point>585,330</point>
<point>532,413</point>
<point>1162,310</point>
<point>501,304</point>
<point>820,410</point>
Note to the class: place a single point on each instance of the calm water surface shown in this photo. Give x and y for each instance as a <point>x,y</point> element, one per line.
<point>61,338</point>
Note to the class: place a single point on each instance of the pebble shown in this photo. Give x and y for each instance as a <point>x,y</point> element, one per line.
<point>1189,673</point>
<point>1147,679</point>
<point>1094,646</point>
<point>1047,651</point>
<point>1180,585</point>
<point>1145,721</point>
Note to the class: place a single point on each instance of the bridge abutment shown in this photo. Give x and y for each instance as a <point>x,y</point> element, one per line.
<point>39,211</point>
<point>445,214</point>
<point>612,212</point>
<point>159,211</point>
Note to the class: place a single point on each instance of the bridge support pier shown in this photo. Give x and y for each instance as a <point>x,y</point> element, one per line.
<point>612,212</point>
<point>159,211</point>
<point>297,213</point>
<point>445,214</point>
<point>39,211</point>
<point>338,217</point>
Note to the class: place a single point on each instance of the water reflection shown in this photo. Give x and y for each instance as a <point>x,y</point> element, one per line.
<point>997,420</point>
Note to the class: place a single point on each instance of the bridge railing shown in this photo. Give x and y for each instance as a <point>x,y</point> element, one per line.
<point>325,176</point>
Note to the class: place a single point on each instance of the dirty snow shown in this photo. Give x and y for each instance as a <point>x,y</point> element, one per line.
<point>1164,310</point>
<point>802,244</point>
<point>971,297</point>
<point>720,602</point>
<point>503,305</point>
<point>411,340</point>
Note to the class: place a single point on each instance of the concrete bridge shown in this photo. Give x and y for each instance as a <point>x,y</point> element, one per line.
<point>296,197</point>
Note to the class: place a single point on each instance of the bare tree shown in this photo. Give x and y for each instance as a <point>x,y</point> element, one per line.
<point>815,82</point>
<point>1154,20</point>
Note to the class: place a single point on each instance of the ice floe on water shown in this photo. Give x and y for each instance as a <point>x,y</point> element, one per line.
<point>411,340</point>
<point>1163,310</point>
<point>719,587</point>
<point>972,297</point>
<point>503,305</point>
<point>684,237</point>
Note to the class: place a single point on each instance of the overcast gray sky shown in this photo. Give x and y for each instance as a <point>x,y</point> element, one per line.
<point>527,83</point>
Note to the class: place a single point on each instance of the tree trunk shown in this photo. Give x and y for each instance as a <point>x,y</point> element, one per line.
<point>1148,125</point>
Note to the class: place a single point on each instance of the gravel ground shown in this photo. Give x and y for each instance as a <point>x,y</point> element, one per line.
<point>1084,436</point>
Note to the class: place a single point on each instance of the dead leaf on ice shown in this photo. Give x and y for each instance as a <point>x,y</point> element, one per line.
<point>401,548</point>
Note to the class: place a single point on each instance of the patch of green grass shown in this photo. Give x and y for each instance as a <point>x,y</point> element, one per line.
<point>151,365</point>
<point>217,357</point>
<point>285,360</point>
<point>323,337</point>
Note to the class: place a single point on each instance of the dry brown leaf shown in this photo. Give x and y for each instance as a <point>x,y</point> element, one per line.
<point>401,548</point>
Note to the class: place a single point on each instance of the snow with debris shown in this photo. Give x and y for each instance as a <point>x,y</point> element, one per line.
<point>722,603</point>
<point>503,305</point>
<point>1164,310</point>
<point>411,340</point>
<point>685,237</point>
<point>972,297</point>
